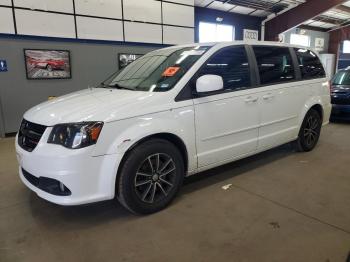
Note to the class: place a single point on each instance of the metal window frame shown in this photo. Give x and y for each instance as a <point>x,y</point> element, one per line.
<point>297,74</point>
<point>189,92</point>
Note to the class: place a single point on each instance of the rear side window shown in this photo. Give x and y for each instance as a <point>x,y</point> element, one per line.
<point>310,65</point>
<point>232,65</point>
<point>275,64</point>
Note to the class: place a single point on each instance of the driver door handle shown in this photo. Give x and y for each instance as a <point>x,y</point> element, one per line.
<point>268,96</point>
<point>251,99</point>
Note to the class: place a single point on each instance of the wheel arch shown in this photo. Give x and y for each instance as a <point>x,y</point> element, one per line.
<point>319,109</point>
<point>314,103</point>
<point>172,138</point>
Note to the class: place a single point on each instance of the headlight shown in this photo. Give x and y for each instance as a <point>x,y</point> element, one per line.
<point>75,135</point>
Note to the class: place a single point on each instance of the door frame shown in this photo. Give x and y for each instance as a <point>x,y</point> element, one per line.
<point>297,72</point>
<point>188,92</point>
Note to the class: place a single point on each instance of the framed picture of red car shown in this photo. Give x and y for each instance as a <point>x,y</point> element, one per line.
<point>47,64</point>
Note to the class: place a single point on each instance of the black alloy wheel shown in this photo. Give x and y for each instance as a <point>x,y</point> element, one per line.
<point>155,178</point>
<point>150,176</point>
<point>310,131</point>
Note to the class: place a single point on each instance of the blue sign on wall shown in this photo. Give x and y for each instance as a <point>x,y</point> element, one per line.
<point>3,66</point>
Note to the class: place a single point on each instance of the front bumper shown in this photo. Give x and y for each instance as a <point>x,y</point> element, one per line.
<point>89,178</point>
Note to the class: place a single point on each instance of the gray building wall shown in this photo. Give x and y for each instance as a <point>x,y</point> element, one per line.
<point>91,63</point>
<point>313,35</point>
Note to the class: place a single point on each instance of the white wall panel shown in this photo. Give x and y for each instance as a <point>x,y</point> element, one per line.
<point>5,2</point>
<point>102,8</point>
<point>100,29</point>
<point>140,32</point>
<point>185,2</point>
<point>174,14</point>
<point>145,10</point>
<point>178,35</point>
<point>179,13</point>
<point>202,3</point>
<point>44,24</point>
<point>6,21</point>
<point>65,6</point>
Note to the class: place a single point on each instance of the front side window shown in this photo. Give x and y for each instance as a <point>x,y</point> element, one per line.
<point>275,64</point>
<point>310,65</point>
<point>232,65</point>
<point>157,71</point>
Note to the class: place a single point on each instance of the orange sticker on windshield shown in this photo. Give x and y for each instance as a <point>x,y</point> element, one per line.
<point>170,71</point>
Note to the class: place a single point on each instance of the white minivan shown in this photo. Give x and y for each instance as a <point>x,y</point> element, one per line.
<point>172,113</point>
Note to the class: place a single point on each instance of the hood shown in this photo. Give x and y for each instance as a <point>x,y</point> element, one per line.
<point>97,104</point>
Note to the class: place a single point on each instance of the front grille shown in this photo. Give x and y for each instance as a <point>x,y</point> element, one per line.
<point>29,135</point>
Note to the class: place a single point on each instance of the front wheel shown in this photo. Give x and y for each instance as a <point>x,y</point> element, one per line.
<point>309,132</point>
<point>150,177</point>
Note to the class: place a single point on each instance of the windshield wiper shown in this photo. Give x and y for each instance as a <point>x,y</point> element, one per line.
<point>103,85</point>
<point>119,87</point>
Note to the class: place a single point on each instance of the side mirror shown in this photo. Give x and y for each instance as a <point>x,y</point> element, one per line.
<point>209,83</point>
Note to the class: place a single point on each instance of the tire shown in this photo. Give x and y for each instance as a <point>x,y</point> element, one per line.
<point>150,177</point>
<point>49,68</point>
<point>310,131</point>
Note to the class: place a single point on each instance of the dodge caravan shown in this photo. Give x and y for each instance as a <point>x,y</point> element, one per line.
<point>172,113</point>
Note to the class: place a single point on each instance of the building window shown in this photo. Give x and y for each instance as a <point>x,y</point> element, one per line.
<point>210,32</point>
<point>346,47</point>
<point>302,40</point>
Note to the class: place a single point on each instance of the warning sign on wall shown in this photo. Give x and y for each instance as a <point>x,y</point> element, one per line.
<point>319,44</point>
<point>3,66</point>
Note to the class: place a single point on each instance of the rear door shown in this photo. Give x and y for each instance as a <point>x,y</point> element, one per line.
<point>227,121</point>
<point>280,95</point>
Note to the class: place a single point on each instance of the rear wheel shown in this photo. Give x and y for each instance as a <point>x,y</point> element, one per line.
<point>150,177</point>
<point>310,131</point>
<point>49,68</point>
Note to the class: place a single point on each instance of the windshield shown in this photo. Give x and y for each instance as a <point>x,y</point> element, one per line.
<point>342,78</point>
<point>157,71</point>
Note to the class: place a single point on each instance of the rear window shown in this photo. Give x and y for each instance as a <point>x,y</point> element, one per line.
<point>310,65</point>
<point>275,64</point>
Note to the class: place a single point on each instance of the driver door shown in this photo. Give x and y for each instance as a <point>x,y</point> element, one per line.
<point>227,121</point>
